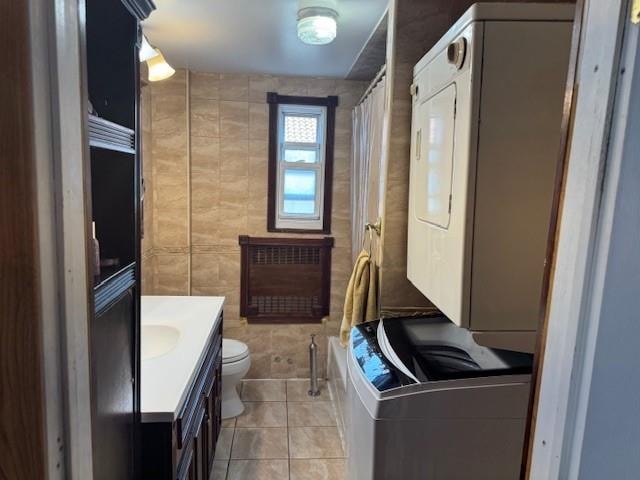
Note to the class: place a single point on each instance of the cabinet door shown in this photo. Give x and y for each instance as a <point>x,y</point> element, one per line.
<point>211,425</point>
<point>187,469</point>
<point>112,372</point>
<point>200,442</point>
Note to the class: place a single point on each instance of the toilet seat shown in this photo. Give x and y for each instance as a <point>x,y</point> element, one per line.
<point>233,351</point>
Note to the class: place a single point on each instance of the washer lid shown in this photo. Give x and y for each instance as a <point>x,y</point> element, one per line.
<point>233,350</point>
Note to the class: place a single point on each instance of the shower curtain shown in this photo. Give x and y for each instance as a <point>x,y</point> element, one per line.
<point>366,175</point>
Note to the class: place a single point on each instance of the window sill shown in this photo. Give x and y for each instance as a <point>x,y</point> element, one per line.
<point>322,231</point>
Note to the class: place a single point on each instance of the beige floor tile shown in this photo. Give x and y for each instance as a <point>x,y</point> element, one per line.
<point>219,470</point>
<point>259,443</point>
<point>263,391</point>
<point>223,447</point>
<point>315,442</point>
<point>258,470</point>
<point>318,469</point>
<point>311,414</point>
<point>263,414</point>
<point>298,391</point>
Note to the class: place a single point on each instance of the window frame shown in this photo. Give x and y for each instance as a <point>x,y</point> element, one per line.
<point>324,168</point>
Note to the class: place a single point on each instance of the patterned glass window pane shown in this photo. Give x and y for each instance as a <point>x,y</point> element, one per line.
<point>300,129</point>
<point>300,155</point>
<point>299,192</point>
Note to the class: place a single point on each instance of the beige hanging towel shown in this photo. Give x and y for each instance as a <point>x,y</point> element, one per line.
<point>360,304</point>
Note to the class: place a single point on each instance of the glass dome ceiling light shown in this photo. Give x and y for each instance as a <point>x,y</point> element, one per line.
<point>317,25</point>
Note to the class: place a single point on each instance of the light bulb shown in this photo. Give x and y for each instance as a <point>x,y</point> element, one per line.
<point>159,69</point>
<point>317,25</point>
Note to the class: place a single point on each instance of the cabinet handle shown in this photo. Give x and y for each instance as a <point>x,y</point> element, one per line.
<point>418,143</point>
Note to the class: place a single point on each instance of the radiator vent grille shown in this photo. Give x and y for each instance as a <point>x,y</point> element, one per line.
<point>285,280</point>
<point>285,305</point>
<point>285,255</point>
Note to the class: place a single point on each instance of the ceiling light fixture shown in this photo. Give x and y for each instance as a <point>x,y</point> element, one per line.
<point>317,25</point>
<point>158,67</point>
<point>146,50</point>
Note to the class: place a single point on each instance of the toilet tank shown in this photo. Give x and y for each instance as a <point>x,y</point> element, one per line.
<point>486,131</point>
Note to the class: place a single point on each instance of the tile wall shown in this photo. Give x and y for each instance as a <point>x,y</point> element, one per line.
<point>206,183</point>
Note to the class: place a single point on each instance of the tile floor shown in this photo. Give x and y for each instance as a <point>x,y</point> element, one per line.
<point>283,434</point>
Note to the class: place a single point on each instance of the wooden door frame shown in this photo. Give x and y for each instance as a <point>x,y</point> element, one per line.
<point>592,195</point>
<point>44,243</point>
<point>22,425</point>
<point>552,239</point>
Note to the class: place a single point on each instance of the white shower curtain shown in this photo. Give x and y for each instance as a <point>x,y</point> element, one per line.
<point>368,124</point>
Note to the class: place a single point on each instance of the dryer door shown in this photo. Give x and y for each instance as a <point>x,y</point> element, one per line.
<point>433,159</point>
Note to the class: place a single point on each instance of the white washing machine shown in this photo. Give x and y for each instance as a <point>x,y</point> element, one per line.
<point>427,403</point>
<point>487,110</point>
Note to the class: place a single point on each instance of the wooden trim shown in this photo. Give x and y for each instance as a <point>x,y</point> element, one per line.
<point>22,426</point>
<point>552,239</point>
<point>272,165</point>
<point>309,242</point>
<point>285,320</point>
<point>140,9</point>
<point>331,102</point>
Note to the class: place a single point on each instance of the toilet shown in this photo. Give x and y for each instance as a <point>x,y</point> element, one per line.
<point>235,365</point>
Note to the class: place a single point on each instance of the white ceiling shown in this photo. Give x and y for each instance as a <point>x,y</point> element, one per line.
<point>257,36</point>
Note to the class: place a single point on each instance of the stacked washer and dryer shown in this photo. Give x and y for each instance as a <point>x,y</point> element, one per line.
<point>445,397</point>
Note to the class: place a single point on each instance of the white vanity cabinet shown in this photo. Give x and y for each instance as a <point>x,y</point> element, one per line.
<point>181,389</point>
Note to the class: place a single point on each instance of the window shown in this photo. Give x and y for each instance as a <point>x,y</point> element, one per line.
<point>301,133</point>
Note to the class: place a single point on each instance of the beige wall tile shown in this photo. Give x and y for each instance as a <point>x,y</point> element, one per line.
<point>204,85</point>
<point>259,148</point>
<point>234,87</point>
<point>169,152</point>
<point>234,120</point>
<point>204,190</point>
<point>259,121</point>
<point>204,225</point>
<point>205,117</point>
<point>168,113</point>
<point>293,86</point>
<point>321,87</point>
<point>205,155</point>
<point>349,92</point>
<point>174,85</point>
<point>260,85</point>
<point>171,224</point>
<point>234,158</point>
<point>170,275</point>
<point>170,192</point>
<point>204,270</point>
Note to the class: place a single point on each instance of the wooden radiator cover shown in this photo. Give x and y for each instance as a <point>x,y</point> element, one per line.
<point>285,280</point>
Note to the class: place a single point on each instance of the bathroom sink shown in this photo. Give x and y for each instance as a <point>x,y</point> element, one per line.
<point>158,340</point>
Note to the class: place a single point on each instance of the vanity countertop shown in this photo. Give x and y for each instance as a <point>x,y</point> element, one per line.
<point>190,323</point>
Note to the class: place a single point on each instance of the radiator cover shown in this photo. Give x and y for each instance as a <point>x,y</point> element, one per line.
<point>285,280</point>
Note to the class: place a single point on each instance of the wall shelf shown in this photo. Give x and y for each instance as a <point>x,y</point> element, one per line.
<point>110,135</point>
<point>112,284</point>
